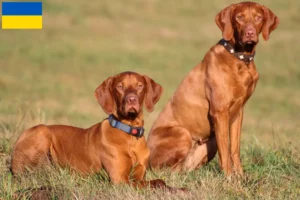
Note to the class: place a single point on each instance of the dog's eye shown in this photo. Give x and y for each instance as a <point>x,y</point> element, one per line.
<point>240,18</point>
<point>140,86</point>
<point>120,87</point>
<point>258,18</point>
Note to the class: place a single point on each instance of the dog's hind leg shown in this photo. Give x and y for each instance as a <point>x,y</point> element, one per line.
<point>31,149</point>
<point>170,148</point>
<point>199,155</point>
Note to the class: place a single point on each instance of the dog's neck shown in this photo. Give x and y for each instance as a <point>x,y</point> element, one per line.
<point>241,52</point>
<point>127,126</point>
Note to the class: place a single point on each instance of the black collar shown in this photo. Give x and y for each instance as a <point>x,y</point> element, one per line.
<point>131,130</point>
<point>239,55</point>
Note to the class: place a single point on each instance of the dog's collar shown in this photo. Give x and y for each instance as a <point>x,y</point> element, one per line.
<point>131,130</point>
<point>241,56</point>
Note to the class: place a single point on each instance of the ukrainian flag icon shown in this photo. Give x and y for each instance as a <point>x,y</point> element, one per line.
<point>22,15</point>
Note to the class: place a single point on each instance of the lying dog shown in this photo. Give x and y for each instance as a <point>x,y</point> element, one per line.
<point>206,112</point>
<point>117,144</point>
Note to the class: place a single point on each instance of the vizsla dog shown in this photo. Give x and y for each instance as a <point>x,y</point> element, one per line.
<point>205,113</point>
<point>117,144</point>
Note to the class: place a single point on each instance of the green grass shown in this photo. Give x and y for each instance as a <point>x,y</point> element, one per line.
<point>49,76</point>
<point>270,174</point>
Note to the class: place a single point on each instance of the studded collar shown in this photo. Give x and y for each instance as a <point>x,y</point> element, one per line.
<point>239,55</point>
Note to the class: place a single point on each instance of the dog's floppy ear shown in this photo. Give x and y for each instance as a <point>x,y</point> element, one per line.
<point>104,96</point>
<point>271,22</point>
<point>223,20</point>
<point>153,93</point>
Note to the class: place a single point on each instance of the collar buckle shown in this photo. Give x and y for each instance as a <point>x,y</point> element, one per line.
<point>137,132</point>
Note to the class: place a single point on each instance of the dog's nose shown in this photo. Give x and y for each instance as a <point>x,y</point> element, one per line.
<point>131,99</point>
<point>250,32</point>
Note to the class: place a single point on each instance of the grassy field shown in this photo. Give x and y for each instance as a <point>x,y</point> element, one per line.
<point>49,76</point>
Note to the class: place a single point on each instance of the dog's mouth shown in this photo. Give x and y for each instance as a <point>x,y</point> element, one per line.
<point>249,41</point>
<point>132,115</point>
<point>130,111</point>
<point>248,44</point>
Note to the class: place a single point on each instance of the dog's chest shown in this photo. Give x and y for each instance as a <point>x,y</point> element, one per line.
<point>245,79</point>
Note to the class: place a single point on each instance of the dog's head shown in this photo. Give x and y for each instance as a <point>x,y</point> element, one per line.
<point>124,94</point>
<point>243,22</point>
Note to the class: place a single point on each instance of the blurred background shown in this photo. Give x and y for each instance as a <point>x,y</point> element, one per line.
<point>49,75</point>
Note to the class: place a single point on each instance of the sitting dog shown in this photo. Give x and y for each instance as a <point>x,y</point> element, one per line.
<point>206,112</point>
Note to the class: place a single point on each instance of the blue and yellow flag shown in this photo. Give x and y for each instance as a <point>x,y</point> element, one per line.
<point>22,15</point>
